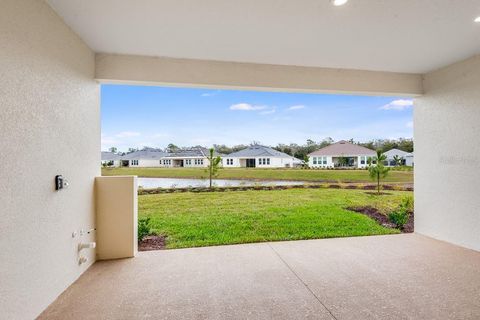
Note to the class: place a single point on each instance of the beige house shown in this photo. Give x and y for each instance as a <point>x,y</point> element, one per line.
<point>341,154</point>
<point>55,54</point>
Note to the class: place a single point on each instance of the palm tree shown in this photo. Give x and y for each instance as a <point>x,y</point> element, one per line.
<point>213,165</point>
<point>398,160</point>
<point>377,169</point>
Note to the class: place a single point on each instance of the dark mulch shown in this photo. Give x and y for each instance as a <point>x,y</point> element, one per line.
<point>152,243</point>
<point>383,219</point>
<point>359,186</point>
<point>378,194</point>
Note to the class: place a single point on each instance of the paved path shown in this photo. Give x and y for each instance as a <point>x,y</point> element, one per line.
<point>404,276</point>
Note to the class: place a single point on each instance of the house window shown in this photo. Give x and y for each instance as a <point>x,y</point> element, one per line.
<point>230,162</point>
<point>134,162</point>
<point>268,161</point>
<point>325,160</point>
<point>201,161</point>
<point>314,160</point>
<point>362,160</point>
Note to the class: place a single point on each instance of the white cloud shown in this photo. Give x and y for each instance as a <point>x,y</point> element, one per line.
<point>297,107</point>
<point>246,107</point>
<point>400,104</point>
<point>210,94</point>
<point>126,134</point>
<point>268,111</point>
<point>409,124</point>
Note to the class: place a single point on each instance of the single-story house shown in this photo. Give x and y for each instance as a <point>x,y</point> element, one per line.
<point>340,154</point>
<point>403,155</point>
<point>111,159</point>
<point>261,157</point>
<point>144,158</point>
<point>195,157</point>
<point>409,159</point>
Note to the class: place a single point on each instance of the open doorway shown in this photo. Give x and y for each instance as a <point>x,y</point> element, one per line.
<point>310,158</point>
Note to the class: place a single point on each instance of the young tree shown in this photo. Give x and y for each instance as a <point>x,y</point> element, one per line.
<point>377,169</point>
<point>306,162</point>
<point>113,150</point>
<point>213,165</point>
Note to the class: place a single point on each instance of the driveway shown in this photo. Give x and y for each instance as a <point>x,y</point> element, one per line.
<point>405,276</point>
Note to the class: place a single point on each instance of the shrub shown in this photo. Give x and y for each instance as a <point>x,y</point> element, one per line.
<point>400,216</point>
<point>407,203</point>
<point>143,228</point>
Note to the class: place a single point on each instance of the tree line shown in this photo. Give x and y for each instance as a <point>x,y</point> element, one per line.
<point>299,151</point>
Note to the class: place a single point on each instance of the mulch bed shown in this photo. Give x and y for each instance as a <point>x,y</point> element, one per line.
<point>152,243</point>
<point>358,186</point>
<point>378,194</point>
<point>383,219</point>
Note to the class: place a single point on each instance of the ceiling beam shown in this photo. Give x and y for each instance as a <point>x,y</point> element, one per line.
<point>131,69</point>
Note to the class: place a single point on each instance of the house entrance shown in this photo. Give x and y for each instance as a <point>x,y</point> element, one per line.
<point>250,163</point>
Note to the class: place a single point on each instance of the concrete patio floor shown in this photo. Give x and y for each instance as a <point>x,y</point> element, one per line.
<point>404,276</point>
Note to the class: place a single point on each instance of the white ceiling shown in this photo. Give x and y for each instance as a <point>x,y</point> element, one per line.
<point>388,35</point>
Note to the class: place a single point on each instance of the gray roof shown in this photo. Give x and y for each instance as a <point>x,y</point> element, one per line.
<point>259,151</point>
<point>343,148</point>
<point>395,152</point>
<point>191,153</point>
<point>110,156</point>
<point>145,155</point>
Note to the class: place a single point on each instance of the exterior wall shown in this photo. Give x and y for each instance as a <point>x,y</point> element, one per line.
<point>409,161</point>
<point>331,162</point>
<point>447,176</point>
<point>146,163</point>
<point>274,162</point>
<point>311,163</point>
<point>191,162</point>
<point>237,163</point>
<point>150,163</point>
<point>359,162</point>
<point>49,125</point>
<point>116,218</point>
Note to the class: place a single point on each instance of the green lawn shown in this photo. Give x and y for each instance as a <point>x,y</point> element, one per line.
<point>217,218</point>
<point>266,174</point>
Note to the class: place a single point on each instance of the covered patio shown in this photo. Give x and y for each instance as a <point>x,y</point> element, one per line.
<point>406,276</point>
<point>58,245</point>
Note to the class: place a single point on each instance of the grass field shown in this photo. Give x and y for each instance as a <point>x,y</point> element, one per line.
<point>204,219</point>
<point>263,174</point>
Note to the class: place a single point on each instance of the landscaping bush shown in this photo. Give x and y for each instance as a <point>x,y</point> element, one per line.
<point>400,216</point>
<point>143,228</point>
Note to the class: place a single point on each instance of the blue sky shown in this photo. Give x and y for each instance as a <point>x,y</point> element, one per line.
<point>137,116</point>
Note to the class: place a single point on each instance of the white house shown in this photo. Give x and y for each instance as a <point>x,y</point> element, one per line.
<point>111,159</point>
<point>195,157</point>
<point>258,156</point>
<point>340,154</point>
<point>144,158</point>
<point>409,159</point>
<point>403,155</point>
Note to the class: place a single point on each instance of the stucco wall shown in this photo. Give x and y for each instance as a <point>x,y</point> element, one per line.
<point>447,155</point>
<point>49,125</point>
